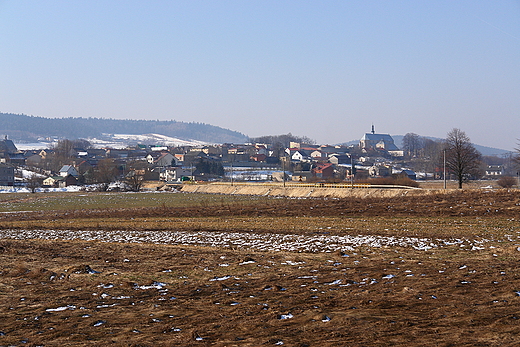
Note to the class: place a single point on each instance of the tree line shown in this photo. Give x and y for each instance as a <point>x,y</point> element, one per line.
<point>455,153</point>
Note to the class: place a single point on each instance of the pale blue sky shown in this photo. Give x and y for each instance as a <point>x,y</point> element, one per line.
<point>324,69</point>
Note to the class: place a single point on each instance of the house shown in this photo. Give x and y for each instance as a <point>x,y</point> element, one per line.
<point>117,153</point>
<point>318,155</point>
<point>495,170</point>
<point>10,154</point>
<point>373,141</point>
<point>329,150</point>
<point>96,153</point>
<point>323,170</point>
<point>17,158</point>
<point>212,150</point>
<point>261,149</point>
<point>165,159</point>
<point>179,158</point>
<point>299,155</point>
<point>174,174</point>
<point>162,159</point>
<point>33,159</point>
<point>6,175</point>
<point>7,146</point>
<point>86,166</point>
<point>159,149</point>
<point>337,159</point>
<point>52,181</point>
<point>259,157</point>
<point>408,173</point>
<point>68,170</point>
<point>60,181</point>
<point>45,153</point>
<point>380,171</point>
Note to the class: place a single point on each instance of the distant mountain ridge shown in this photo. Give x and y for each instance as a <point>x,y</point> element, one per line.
<point>29,128</point>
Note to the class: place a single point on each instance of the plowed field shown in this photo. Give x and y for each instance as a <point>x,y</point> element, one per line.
<point>198,270</point>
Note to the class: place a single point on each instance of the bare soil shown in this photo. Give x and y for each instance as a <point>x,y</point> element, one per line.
<point>80,293</point>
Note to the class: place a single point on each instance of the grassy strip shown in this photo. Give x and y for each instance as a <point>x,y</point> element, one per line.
<point>88,200</point>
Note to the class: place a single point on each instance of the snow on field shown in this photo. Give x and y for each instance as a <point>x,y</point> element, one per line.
<point>40,190</point>
<point>263,242</point>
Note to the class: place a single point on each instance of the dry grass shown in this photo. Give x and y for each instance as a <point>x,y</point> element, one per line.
<point>156,295</point>
<point>83,293</point>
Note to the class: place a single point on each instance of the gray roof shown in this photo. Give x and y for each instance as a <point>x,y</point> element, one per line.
<point>66,168</point>
<point>386,138</point>
<point>8,146</point>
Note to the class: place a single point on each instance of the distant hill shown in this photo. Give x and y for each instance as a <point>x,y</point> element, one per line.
<point>398,140</point>
<point>29,128</point>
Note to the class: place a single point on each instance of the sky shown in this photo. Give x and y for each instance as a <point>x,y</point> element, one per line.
<point>323,69</point>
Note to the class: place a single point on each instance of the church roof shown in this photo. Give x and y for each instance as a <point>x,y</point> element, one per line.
<point>8,146</point>
<point>386,138</point>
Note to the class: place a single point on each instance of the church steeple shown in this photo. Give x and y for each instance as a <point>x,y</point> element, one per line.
<point>373,131</point>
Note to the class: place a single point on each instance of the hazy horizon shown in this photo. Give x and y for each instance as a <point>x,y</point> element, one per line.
<point>326,70</point>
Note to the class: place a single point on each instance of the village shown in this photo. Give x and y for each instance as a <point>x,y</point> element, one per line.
<point>375,158</point>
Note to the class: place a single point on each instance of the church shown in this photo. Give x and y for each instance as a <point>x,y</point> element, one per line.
<point>373,141</point>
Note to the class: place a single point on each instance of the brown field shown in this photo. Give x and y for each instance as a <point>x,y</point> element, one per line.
<point>206,270</point>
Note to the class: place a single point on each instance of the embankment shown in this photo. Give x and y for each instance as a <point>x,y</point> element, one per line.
<point>304,191</point>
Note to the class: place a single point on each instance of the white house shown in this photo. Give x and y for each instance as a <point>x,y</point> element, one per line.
<point>174,174</point>
<point>299,156</point>
<point>317,155</point>
<point>495,170</point>
<point>68,170</point>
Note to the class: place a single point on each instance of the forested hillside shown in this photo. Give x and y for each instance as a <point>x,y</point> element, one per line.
<point>29,128</point>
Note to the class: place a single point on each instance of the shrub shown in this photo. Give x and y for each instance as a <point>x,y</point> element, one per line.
<point>506,181</point>
<point>405,181</point>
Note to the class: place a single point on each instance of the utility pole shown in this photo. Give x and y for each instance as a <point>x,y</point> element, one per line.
<point>231,172</point>
<point>352,169</point>
<point>192,178</point>
<point>283,170</point>
<point>444,173</point>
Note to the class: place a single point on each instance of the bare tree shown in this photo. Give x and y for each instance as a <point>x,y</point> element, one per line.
<point>136,175</point>
<point>516,160</point>
<point>104,173</point>
<point>64,148</point>
<point>462,159</point>
<point>517,156</point>
<point>411,144</point>
<point>33,182</point>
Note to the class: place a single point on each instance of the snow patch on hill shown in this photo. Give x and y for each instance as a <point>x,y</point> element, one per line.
<point>148,139</point>
<point>119,141</point>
